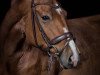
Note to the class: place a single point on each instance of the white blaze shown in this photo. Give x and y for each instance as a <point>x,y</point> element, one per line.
<point>58,9</point>
<point>65,30</point>
<point>72,45</point>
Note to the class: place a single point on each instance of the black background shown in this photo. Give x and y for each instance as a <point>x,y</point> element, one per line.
<point>4,7</point>
<point>75,8</point>
<point>81,8</point>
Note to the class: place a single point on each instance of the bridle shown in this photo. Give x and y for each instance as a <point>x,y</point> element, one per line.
<point>50,43</point>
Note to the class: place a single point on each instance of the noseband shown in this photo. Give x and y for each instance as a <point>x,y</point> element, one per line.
<point>50,43</point>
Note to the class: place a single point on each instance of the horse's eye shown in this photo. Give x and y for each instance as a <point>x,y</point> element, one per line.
<point>45,18</point>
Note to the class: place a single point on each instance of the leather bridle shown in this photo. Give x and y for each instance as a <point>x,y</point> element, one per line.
<point>50,43</point>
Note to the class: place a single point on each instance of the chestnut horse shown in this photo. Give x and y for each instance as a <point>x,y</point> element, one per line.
<point>36,40</point>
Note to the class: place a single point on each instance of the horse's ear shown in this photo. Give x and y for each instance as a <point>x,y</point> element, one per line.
<point>63,11</point>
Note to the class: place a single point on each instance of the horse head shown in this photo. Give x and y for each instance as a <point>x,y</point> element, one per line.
<point>51,32</point>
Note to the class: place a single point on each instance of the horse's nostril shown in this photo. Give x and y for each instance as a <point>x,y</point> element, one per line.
<point>70,60</point>
<point>70,63</point>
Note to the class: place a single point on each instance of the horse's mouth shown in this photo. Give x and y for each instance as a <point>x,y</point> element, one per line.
<point>68,60</point>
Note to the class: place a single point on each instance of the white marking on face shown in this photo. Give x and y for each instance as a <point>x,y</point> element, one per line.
<point>75,56</point>
<point>65,30</point>
<point>58,9</point>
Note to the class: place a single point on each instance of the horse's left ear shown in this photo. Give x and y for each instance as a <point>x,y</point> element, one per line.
<point>63,11</point>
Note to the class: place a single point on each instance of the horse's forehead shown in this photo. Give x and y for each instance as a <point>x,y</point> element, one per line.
<point>48,9</point>
<point>43,1</point>
<point>43,8</point>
